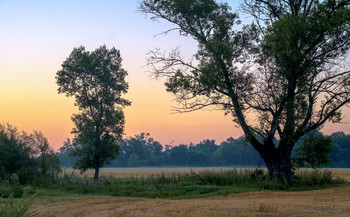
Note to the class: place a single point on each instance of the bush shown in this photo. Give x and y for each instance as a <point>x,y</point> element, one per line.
<point>25,156</point>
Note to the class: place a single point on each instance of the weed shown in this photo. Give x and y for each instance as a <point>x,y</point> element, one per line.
<point>7,190</point>
<point>11,207</point>
<point>268,207</point>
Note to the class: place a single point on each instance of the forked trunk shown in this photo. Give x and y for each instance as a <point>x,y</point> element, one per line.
<point>97,171</point>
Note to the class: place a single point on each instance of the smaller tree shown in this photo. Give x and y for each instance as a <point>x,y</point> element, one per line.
<point>46,159</point>
<point>26,155</point>
<point>314,151</point>
<point>97,81</point>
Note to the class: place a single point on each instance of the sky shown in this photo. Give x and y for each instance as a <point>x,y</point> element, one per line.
<point>37,36</point>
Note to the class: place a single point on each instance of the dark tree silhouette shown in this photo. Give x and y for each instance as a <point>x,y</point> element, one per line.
<point>27,155</point>
<point>97,81</point>
<point>285,70</point>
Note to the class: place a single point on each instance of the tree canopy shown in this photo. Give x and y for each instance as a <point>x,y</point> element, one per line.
<point>97,80</point>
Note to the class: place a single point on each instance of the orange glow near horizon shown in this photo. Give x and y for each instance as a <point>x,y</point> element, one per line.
<point>44,109</point>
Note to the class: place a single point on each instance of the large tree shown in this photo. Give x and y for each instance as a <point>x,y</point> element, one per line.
<point>97,80</point>
<point>280,78</point>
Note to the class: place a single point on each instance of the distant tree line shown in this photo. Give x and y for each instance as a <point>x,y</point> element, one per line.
<point>143,151</point>
<point>341,150</point>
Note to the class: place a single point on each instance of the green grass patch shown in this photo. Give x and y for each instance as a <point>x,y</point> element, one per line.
<point>175,186</point>
<point>186,185</point>
<point>11,207</point>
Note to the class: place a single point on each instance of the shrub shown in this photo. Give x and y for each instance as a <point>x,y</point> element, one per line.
<point>25,156</point>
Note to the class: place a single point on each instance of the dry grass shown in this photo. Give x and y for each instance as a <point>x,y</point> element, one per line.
<point>268,207</point>
<point>341,173</point>
<point>325,202</point>
<point>328,202</point>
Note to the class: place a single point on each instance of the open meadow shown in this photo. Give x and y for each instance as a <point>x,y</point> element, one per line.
<point>323,202</point>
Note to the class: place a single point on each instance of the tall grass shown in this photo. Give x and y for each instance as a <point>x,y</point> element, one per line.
<point>302,180</point>
<point>231,177</point>
<point>174,185</point>
<point>11,207</point>
<point>185,185</point>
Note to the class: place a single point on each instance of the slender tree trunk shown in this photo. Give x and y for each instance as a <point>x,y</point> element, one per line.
<point>97,172</point>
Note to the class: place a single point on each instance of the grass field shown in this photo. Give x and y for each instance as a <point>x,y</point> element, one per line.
<point>139,172</point>
<point>147,171</point>
<point>325,202</point>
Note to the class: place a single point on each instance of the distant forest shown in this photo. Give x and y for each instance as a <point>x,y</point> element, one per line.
<point>143,151</point>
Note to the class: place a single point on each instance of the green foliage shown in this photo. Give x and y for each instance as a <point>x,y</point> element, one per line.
<point>97,80</point>
<point>24,157</point>
<point>314,151</point>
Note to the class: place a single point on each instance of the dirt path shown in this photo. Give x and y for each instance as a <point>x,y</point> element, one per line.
<point>320,203</point>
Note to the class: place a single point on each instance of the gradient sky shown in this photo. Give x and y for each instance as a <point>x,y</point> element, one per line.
<point>36,36</point>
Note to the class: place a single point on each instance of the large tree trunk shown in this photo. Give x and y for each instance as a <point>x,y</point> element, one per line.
<point>279,165</point>
<point>97,172</point>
